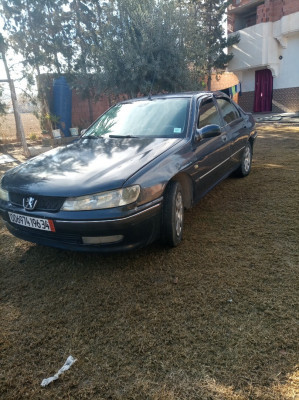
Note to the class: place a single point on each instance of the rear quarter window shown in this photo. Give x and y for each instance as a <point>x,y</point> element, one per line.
<point>229,112</point>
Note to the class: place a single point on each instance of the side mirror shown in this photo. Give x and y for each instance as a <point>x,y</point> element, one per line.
<point>207,131</point>
<point>82,132</point>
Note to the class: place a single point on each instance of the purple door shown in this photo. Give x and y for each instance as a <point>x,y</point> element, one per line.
<point>263,91</point>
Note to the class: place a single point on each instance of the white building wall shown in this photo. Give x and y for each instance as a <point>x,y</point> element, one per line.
<point>257,48</point>
<point>261,46</point>
<point>288,76</point>
<point>247,78</point>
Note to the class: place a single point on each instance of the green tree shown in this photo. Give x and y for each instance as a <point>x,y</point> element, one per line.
<point>19,125</point>
<point>37,30</point>
<point>119,46</point>
<point>207,41</point>
<point>127,47</point>
<point>143,53</point>
<point>85,36</point>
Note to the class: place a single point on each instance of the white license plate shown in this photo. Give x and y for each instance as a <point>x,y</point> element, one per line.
<point>32,222</point>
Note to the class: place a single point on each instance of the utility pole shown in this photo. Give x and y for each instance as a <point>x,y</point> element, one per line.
<point>19,125</point>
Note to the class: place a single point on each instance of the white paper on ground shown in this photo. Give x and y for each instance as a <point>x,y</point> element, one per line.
<point>69,362</point>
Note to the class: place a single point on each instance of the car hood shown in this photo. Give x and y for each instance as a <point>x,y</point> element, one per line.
<point>87,166</point>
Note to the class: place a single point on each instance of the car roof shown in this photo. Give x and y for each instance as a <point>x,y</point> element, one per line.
<point>196,94</point>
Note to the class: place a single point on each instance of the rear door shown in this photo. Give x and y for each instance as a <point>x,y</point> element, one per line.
<point>235,126</point>
<point>211,159</point>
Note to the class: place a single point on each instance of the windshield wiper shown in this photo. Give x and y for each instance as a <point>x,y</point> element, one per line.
<point>122,136</point>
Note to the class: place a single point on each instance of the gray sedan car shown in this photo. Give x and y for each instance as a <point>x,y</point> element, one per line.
<point>128,179</point>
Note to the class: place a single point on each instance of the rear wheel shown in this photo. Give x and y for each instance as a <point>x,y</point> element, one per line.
<point>245,166</point>
<point>173,214</point>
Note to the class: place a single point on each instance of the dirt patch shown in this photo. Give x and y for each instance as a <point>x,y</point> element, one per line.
<point>8,128</point>
<point>214,319</point>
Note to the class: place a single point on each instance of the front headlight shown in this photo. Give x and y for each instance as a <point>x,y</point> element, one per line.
<point>3,194</point>
<point>113,198</point>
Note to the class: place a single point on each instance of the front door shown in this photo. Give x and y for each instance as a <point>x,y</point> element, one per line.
<point>211,160</point>
<point>263,91</point>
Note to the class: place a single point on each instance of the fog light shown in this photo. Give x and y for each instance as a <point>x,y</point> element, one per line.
<point>102,239</point>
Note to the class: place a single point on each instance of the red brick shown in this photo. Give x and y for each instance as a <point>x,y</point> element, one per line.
<point>271,10</point>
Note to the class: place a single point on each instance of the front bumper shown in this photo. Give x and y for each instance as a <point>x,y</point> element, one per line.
<point>78,230</point>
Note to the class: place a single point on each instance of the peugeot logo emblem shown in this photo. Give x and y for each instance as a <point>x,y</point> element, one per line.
<point>29,203</point>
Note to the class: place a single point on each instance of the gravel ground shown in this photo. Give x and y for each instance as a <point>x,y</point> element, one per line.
<point>214,319</point>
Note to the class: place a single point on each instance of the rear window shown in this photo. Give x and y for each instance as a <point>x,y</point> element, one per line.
<point>229,111</point>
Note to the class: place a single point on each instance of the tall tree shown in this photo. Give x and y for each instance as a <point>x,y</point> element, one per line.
<point>127,47</point>
<point>143,49</point>
<point>207,46</point>
<point>36,31</point>
<point>18,121</point>
<point>86,38</point>
<point>119,46</point>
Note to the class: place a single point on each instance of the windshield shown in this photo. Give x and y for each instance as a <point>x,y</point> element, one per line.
<point>149,118</point>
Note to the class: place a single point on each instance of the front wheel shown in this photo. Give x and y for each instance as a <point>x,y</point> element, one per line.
<point>245,167</point>
<point>173,214</point>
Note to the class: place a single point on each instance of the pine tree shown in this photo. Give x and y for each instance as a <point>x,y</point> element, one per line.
<point>142,52</point>
<point>208,44</point>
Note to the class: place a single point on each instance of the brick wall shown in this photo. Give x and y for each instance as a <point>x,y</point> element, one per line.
<point>269,11</point>
<point>286,6</point>
<point>274,10</point>
<point>81,117</point>
<point>284,100</point>
<point>277,10</point>
<point>290,6</point>
<point>264,12</point>
<point>246,101</point>
<point>230,23</point>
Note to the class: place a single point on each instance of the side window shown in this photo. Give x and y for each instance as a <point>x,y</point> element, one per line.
<point>229,111</point>
<point>208,114</point>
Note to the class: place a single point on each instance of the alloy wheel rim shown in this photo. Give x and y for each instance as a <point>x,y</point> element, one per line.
<point>247,159</point>
<point>179,213</point>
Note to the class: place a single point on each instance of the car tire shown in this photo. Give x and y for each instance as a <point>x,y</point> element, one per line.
<point>245,167</point>
<point>173,214</point>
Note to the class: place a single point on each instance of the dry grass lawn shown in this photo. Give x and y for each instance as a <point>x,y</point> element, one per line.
<point>214,319</point>
<point>8,128</point>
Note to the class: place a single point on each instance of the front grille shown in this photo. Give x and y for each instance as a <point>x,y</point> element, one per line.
<point>44,203</point>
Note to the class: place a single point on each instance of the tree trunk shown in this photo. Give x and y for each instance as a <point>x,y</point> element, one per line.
<point>19,126</point>
<point>209,82</point>
<point>46,124</point>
